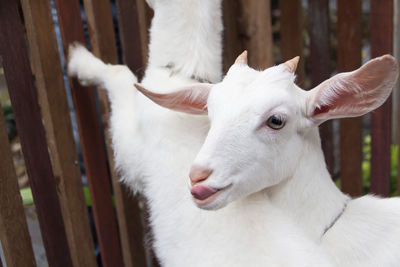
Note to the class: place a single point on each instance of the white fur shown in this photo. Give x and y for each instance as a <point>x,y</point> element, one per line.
<point>282,198</point>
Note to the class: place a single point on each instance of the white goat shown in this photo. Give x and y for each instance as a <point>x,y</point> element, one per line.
<point>261,154</point>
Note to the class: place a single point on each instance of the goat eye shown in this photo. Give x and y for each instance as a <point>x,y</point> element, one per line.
<point>275,122</point>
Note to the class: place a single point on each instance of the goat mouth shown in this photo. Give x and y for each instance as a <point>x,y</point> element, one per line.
<point>203,194</point>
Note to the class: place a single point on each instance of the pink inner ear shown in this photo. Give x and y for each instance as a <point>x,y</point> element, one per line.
<point>355,93</point>
<point>321,109</point>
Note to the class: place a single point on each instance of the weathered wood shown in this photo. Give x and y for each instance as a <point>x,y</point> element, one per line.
<point>26,109</point>
<point>92,144</point>
<point>145,14</point>
<point>128,213</point>
<point>129,30</point>
<point>320,64</point>
<point>349,58</point>
<point>256,32</point>
<point>231,42</point>
<point>130,226</point>
<point>55,111</point>
<point>102,40</point>
<point>397,87</point>
<point>381,31</point>
<point>14,235</point>
<point>291,32</point>
<point>247,26</point>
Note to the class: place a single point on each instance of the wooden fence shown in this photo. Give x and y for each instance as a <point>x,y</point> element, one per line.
<point>35,79</point>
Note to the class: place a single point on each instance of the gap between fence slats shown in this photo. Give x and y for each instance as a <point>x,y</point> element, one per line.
<point>14,235</point>
<point>103,42</point>
<point>94,155</point>
<point>291,32</point>
<point>381,34</point>
<point>55,112</point>
<point>349,59</point>
<point>320,65</point>
<point>26,110</point>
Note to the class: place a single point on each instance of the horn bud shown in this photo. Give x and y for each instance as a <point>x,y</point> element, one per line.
<point>242,58</point>
<point>291,65</point>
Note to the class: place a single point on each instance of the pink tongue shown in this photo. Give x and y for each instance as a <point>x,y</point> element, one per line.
<point>202,192</point>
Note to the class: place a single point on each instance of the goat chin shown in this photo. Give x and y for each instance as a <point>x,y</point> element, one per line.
<point>280,224</point>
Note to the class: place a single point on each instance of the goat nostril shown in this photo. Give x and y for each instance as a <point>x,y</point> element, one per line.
<point>199,174</point>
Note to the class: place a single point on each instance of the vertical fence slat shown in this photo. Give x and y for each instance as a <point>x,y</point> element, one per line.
<point>134,54</point>
<point>248,26</point>
<point>232,45</point>
<point>55,111</point>
<point>320,64</point>
<point>381,31</point>
<point>24,100</point>
<point>92,144</point>
<point>256,31</point>
<point>129,30</point>
<point>397,55</point>
<point>291,32</point>
<point>14,235</point>
<point>145,14</point>
<point>134,18</point>
<point>102,39</point>
<point>349,58</point>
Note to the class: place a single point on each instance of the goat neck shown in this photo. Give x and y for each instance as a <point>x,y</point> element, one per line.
<point>310,196</point>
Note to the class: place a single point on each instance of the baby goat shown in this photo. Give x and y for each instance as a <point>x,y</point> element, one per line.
<point>264,141</point>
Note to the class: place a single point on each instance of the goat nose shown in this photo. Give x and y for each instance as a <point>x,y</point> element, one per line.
<point>198,174</point>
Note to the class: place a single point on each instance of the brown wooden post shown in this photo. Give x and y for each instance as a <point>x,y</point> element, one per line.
<point>14,235</point>
<point>320,65</point>
<point>396,49</point>
<point>349,58</point>
<point>26,109</point>
<point>103,43</point>
<point>55,111</point>
<point>256,32</point>
<point>381,30</point>
<point>291,32</point>
<point>92,143</point>
<point>248,27</point>
<point>145,14</point>
<point>232,44</point>
<point>134,50</point>
<point>132,23</point>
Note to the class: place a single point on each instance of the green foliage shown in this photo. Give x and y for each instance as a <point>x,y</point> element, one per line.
<point>27,198</point>
<point>10,122</point>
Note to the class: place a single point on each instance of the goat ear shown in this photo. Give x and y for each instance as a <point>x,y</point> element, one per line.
<point>190,99</point>
<point>352,94</point>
